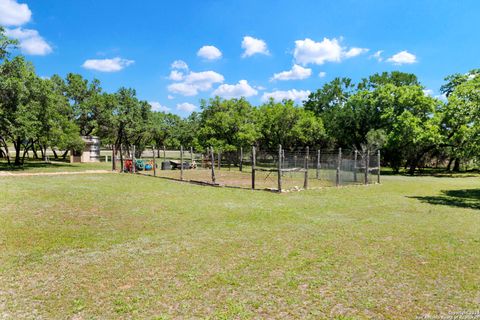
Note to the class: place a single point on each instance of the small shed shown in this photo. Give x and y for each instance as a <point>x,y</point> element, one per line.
<point>91,152</point>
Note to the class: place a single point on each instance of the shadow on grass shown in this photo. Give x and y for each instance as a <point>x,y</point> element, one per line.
<point>467,198</point>
<point>4,166</point>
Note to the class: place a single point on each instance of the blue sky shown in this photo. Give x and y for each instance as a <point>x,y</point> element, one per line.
<point>259,49</point>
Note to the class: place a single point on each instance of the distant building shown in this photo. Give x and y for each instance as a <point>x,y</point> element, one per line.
<point>91,152</point>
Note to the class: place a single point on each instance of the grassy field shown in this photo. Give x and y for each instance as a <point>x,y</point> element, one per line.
<point>132,247</point>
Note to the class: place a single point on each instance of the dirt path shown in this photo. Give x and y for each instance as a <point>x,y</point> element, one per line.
<point>24,174</point>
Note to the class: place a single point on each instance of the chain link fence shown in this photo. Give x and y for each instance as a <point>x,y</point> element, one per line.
<point>257,168</point>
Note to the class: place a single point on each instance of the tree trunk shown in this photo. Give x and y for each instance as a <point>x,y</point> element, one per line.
<point>55,154</point>
<point>64,155</point>
<point>456,166</point>
<point>17,144</point>
<point>449,166</point>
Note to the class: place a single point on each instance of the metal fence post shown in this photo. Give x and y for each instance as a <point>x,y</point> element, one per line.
<point>339,163</point>
<point>367,160</point>
<point>133,159</point>
<point>121,159</point>
<point>181,162</point>
<point>355,166</point>
<point>279,165</point>
<point>305,181</point>
<point>318,164</point>
<point>212,157</point>
<point>191,156</point>
<point>164,154</point>
<point>253,166</point>
<point>154,164</point>
<point>378,166</point>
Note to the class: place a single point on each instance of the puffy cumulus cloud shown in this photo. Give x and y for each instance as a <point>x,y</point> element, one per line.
<point>170,97</point>
<point>107,65</point>
<point>179,64</point>
<point>209,53</point>
<point>253,46</point>
<point>195,82</point>
<point>176,75</point>
<point>31,42</point>
<point>328,50</point>
<point>186,107</point>
<point>241,89</point>
<point>403,57</point>
<point>296,73</point>
<point>295,95</point>
<point>322,74</point>
<point>13,13</point>
<point>156,106</point>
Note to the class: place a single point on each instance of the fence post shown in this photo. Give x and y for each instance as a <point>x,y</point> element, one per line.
<point>164,154</point>
<point>191,156</point>
<point>181,162</point>
<point>253,167</point>
<point>212,157</point>
<point>367,160</point>
<point>305,181</point>
<point>339,163</point>
<point>154,164</point>
<point>133,159</point>
<point>318,164</point>
<point>219,158</point>
<point>355,167</point>
<point>378,166</point>
<point>114,165</point>
<point>295,161</point>
<point>279,165</point>
<point>121,159</point>
<point>241,159</point>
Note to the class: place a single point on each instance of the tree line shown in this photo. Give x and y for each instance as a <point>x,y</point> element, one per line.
<point>389,110</point>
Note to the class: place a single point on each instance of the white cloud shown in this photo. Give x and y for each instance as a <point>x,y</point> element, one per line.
<point>402,57</point>
<point>328,50</point>
<point>241,89</point>
<point>195,82</point>
<point>170,97</point>
<point>253,46</point>
<point>353,52</point>
<point>322,74</point>
<point>186,107</point>
<point>156,106</point>
<point>179,64</point>
<point>30,41</point>
<point>377,55</point>
<point>295,95</point>
<point>13,13</point>
<point>296,73</point>
<point>176,75</point>
<point>107,65</point>
<point>209,53</point>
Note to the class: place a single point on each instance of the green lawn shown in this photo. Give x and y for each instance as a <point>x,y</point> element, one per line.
<point>133,247</point>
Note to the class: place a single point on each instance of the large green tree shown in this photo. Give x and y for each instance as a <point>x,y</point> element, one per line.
<point>283,123</point>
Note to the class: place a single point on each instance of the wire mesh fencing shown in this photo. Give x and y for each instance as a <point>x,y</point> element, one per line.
<point>257,168</point>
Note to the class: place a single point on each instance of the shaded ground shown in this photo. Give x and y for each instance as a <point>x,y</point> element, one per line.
<point>117,246</point>
<point>467,198</point>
